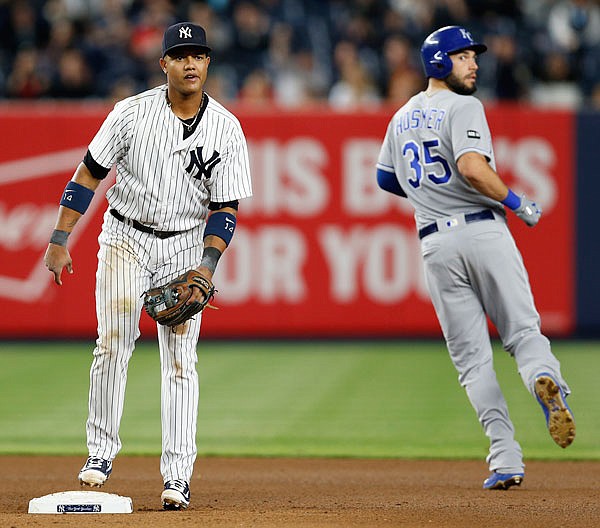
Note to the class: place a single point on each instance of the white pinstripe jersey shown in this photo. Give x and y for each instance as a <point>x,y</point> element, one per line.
<point>163,180</point>
<point>422,144</point>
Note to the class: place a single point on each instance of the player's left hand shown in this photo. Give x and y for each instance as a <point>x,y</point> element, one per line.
<point>529,211</point>
<point>180,299</point>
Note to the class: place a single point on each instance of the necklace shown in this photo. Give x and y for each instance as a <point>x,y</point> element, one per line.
<point>189,126</point>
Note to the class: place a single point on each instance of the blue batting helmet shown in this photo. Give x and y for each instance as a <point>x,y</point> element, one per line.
<point>444,42</point>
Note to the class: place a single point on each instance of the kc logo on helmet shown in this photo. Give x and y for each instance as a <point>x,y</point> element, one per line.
<point>466,35</point>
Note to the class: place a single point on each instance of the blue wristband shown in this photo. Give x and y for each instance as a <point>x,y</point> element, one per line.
<point>221,224</point>
<point>512,201</point>
<point>77,197</point>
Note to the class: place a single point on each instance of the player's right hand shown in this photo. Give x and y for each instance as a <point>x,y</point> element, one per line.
<point>56,258</point>
<point>528,211</point>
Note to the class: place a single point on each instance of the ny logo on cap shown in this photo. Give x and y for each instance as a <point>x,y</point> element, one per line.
<point>185,32</point>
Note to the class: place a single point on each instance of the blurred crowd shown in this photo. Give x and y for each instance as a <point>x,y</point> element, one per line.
<point>297,53</point>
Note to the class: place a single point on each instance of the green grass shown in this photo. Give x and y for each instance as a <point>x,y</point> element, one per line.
<point>355,399</point>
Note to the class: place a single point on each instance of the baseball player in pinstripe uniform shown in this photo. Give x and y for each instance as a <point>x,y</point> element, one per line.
<point>182,166</point>
<point>437,152</point>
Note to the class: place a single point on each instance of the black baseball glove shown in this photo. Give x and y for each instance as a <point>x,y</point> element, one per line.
<point>167,304</point>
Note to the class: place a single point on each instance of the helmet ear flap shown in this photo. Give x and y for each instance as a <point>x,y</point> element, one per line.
<point>441,65</point>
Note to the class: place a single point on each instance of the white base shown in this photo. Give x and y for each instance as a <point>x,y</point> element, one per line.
<point>81,502</point>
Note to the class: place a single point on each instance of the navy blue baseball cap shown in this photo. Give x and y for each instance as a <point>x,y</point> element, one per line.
<point>183,35</point>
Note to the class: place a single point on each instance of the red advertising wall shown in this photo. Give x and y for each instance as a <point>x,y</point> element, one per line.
<point>319,250</point>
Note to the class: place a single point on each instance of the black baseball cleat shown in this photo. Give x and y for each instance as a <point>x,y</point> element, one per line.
<point>95,472</point>
<point>176,495</point>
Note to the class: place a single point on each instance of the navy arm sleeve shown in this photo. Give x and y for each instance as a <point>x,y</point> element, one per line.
<point>98,171</point>
<point>388,182</point>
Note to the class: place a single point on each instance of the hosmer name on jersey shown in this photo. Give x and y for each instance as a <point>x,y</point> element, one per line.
<point>420,118</point>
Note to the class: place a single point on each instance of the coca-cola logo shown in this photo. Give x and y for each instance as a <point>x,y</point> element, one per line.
<point>31,188</point>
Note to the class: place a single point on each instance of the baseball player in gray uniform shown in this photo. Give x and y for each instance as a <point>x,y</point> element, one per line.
<point>437,152</point>
<point>182,166</point>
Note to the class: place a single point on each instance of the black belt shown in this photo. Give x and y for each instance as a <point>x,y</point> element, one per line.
<point>486,214</point>
<point>141,227</point>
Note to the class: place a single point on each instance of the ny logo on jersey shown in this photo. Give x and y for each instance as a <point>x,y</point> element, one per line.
<point>204,167</point>
<point>185,32</point>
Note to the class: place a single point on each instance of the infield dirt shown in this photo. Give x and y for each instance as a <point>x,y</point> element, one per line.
<point>270,492</point>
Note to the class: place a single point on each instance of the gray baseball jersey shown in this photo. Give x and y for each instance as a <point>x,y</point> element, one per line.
<point>424,140</point>
<point>472,266</point>
<point>166,177</point>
